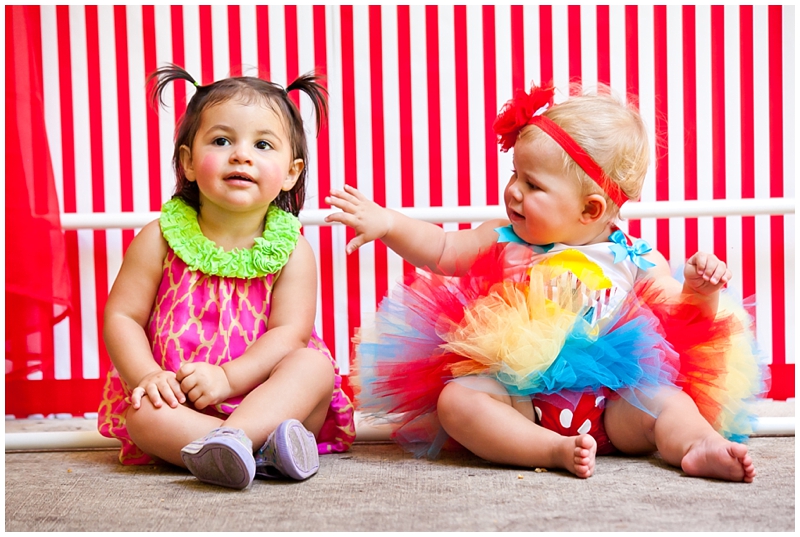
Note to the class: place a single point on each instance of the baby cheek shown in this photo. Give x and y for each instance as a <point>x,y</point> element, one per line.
<point>210,164</point>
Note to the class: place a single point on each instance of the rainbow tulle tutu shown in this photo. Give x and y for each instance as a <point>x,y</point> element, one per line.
<point>530,329</point>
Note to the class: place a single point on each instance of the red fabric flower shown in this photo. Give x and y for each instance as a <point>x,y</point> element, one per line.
<point>517,112</point>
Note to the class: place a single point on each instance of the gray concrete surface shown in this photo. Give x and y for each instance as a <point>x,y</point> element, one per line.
<point>378,487</point>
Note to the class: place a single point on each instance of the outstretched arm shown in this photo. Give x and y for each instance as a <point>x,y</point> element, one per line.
<point>420,243</point>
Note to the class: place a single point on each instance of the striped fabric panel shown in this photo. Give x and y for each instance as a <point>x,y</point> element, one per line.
<point>413,93</point>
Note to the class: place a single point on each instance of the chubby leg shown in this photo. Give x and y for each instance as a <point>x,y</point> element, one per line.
<point>299,387</point>
<point>501,429</point>
<point>680,433</point>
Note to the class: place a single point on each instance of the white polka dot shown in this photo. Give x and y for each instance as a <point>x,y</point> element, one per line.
<point>583,429</point>
<point>565,418</point>
<point>538,413</point>
<point>599,401</point>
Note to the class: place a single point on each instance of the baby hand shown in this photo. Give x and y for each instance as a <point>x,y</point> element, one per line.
<point>706,273</point>
<point>157,386</point>
<point>204,384</point>
<point>367,218</point>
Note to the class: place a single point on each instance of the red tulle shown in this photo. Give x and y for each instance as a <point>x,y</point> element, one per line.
<point>37,277</point>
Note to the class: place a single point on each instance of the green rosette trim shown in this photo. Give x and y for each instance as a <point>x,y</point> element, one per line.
<point>269,254</point>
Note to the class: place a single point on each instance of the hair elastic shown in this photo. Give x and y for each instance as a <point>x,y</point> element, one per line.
<point>527,109</point>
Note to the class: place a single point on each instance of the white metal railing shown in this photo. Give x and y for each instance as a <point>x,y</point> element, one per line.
<point>442,215</point>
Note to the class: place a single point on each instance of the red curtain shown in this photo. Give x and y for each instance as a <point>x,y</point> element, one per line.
<point>37,276</point>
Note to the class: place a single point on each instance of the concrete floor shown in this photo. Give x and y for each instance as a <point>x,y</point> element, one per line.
<point>378,487</point>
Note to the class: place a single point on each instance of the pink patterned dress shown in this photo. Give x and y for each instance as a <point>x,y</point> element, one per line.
<point>211,318</point>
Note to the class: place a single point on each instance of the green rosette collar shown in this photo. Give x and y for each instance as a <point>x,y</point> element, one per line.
<point>269,254</point>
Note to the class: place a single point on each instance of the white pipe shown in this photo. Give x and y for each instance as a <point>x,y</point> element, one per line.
<point>365,432</point>
<point>632,210</point>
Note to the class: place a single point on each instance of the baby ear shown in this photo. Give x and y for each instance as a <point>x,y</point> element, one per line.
<point>295,170</point>
<point>186,162</point>
<point>594,208</point>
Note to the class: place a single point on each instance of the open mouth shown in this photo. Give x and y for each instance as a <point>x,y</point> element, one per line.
<point>514,216</point>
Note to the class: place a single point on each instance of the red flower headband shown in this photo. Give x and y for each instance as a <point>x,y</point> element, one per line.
<point>527,109</point>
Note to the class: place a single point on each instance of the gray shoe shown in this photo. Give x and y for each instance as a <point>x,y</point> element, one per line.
<point>223,457</point>
<point>290,451</point>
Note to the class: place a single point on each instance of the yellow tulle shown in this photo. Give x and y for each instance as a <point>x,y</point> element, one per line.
<point>516,328</point>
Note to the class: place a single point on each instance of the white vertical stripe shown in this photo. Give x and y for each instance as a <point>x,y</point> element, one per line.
<point>52,97</point>
<point>109,110</point>
<point>277,45</point>
<point>220,42</point>
<point>419,106</point>
<point>675,155</point>
<point>475,105</point>
<point>589,47</point>
<point>531,35</point>
<point>447,106</point>
<point>560,33</point>
<point>138,102</point>
<point>617,61</point>
<point>733,145</point>
<point>391,128</point>
<point>191,45</point>
<point>617,50</point>
<point>504,83</point>
<point>249,38</point>
<point>166,114</point>
<point>647,108</point>
<point>363,99</point>
<point>761,157</point>
<point>705,177</point>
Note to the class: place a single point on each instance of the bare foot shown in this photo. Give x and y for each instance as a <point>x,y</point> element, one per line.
<point>578,455</point>
<point>716,457</point>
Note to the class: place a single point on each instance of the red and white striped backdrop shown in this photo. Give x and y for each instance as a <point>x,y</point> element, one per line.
<point>413,92</point>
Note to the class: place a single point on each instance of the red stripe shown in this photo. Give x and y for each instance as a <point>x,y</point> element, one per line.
<point>546,44</point>
<point>69,187</point>
<point>517,49</point>
<point>434,110</point>
<point>603,46</point>
<point>378,142</point>
<point>153,151</point>
<point>690,125</point>
<point>462,105</point>
<point>206,45</point>
<point>490,105</point>
<point>775,33</point>
<point>406,116</point>
<point>98,176</point>
<point>718,171</point>
<point>350,163</point>
<point>124,118</point>
<point>661,124</point>
<point>292,52</point>
<point>179,58</point>
<point>575,71</point>
<point>234,40</point>
<point>262,25</point>
<point>632,78</point>
<point>328,317</point>
<point>748,147</point>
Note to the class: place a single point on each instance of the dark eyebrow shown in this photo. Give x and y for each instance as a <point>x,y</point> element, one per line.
<point>226,128</point>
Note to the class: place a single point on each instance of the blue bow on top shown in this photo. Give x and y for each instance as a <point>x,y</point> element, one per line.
<point>621,250</point>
